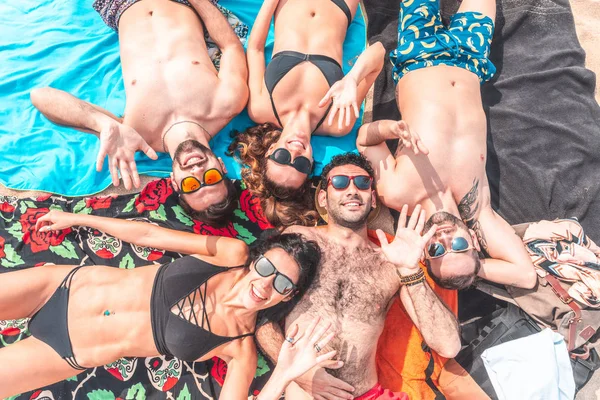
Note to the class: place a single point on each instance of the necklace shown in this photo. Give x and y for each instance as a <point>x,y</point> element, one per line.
<point>177,123</point>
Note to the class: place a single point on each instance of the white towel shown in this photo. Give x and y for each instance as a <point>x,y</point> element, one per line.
<point>531,368</point>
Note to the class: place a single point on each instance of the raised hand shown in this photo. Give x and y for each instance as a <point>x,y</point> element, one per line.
<point>299,356</point>
<point>343,94</point>
<point>409,139</point>
<point>55,220</point>
<point>406,250</point>
<point>120,142</point>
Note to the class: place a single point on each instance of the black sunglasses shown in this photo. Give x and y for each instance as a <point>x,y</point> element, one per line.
<point>459,245</point>
<point>340,182</point>
<point>284,157</point>
<point>282,284</point>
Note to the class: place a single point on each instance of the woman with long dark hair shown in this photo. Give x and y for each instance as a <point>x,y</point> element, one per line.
<point>301,92</point>
<point>196,307</point>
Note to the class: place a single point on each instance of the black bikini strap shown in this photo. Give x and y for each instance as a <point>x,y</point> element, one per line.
<point>275,110</point>
<point>73,363</point>
<point>345,9</point>
<point>324,116</point>
<point>66,283</point>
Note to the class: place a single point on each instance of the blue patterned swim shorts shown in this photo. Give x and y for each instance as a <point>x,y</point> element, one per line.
<point>424,41</point>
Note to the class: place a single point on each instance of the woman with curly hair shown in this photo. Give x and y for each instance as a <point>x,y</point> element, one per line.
<point>202,305</point>
<point>282,205</point>
<point>302,88</point>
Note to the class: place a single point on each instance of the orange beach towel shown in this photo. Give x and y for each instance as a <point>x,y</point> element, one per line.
<point>402,364</point>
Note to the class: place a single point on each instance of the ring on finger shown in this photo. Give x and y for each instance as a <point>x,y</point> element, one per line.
<point>317,347</point>
<point>289,339</point>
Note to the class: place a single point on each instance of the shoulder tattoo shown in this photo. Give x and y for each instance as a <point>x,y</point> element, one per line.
<point>468,208</point>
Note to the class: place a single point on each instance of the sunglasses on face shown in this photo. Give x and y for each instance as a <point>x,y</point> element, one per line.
<point>459,245</point>
<point>265,268</point>
<point>341,182</point>
<point>191,184</point>
<point>284,157</point>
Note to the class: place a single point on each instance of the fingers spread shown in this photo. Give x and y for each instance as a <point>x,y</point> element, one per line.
<point>382,238</point>
<point>341,118</point>
<point>412,223</point>
<point>332,112</point>
<point>427,236</point>
<point>125,174</point>
<point>402,219</point>
<point>149,151</point>
<point>356,112</point>
<point>325,99</point>
<point>134,174</point>
<point>420,222</point>
<point>100,160</point>
<point>112,166</point>
<point>311,328</point>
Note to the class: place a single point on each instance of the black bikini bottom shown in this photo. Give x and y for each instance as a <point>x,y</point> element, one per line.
<point>50,323</point>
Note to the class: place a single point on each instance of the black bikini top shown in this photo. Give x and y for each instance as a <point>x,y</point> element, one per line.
<point>284,61</point>
<point>187,337</point>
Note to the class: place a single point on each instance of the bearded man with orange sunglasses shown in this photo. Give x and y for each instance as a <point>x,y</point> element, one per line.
<point>176,99</point>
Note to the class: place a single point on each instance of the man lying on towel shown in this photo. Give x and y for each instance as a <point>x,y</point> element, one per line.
<point>356,284</point>
<point>440,161</point>
<point>176,99</point>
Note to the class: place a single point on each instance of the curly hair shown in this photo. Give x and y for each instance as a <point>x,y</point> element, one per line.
<point>282,206</point>
<point>219,214</point>
<point>307,255</point>
<point>348,158</point>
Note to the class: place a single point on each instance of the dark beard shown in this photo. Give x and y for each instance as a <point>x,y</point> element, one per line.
<point>191,145</point>
<point>442,217</point>
<point>352,225</point>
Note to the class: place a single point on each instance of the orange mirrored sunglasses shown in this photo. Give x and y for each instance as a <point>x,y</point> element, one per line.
<point>191,184</point>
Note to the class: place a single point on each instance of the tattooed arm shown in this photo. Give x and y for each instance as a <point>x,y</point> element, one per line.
<point>433,319</point>
<point>430,315</point>
<point>504,258</point>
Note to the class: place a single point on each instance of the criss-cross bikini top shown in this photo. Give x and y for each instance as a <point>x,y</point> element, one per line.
<point>284,61</point>
<point>185,334</point>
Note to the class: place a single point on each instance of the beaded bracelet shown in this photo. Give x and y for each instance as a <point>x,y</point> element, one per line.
<point>413,279</point>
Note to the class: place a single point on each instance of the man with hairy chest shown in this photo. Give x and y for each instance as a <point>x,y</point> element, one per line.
<point>355,285</point>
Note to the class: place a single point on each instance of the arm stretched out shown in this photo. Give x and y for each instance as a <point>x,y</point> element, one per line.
<point>117,141</point>
<point>149,235</point>
<point>259,105</point>
<point>430,315</point>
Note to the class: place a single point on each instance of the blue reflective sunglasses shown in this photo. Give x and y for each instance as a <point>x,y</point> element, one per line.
<point>459,245</point>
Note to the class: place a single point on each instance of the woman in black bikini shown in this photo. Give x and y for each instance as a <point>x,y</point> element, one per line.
<point>194,308</point>
<point>299,94</point>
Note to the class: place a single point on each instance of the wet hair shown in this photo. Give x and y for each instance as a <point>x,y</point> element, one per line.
<point>218,214</point>
<point>307,255</point>
<point>348,159</point>
<point>457,282</point>
<point>283,206</point>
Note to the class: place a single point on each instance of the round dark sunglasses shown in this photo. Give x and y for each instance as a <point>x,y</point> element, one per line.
<point>282,284</point>
<point>340,182</point>
<point>191,184</point>
<point>284,157</point>
<point>459,245</point>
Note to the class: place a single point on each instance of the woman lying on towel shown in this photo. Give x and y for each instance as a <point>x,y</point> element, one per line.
<point>299,93</point>
<point>196,307</point>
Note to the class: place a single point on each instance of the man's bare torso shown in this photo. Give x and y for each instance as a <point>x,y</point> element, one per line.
<point>353,289</point>
<point>443,105</point>
<point>167,73</point>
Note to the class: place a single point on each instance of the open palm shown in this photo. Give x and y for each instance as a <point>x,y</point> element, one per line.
<point>120,142</point>
<point>406,250</point>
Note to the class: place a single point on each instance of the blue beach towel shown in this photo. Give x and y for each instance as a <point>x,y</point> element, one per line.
<point>65,44</point>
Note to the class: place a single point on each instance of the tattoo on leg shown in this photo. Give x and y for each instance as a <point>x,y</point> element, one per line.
<point>467,208</point>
